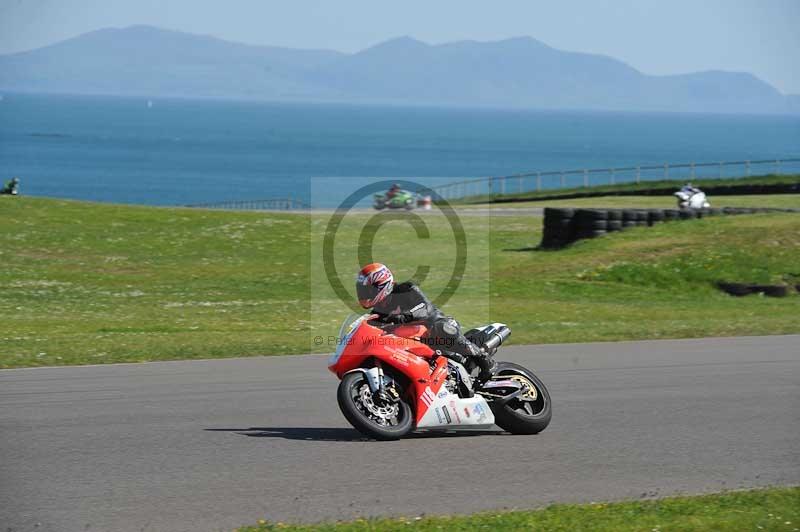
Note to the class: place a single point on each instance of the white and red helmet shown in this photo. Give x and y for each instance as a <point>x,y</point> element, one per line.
<point>374,283</point>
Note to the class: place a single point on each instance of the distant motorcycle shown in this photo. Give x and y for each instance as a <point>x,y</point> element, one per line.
<point>393,382</point>
<point>11,188</point>
<point>402,199</point>
<point>692,199</point>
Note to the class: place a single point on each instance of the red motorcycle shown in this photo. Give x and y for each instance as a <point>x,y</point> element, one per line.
<point>393,382</point>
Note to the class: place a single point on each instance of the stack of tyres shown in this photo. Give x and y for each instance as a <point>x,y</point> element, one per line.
<point>614,220</point>
<point>655,216</point>
<point>590,223</point>
<point>671,214</point>
<point>564,226</point>
<point>557,228</point>
<point>629,217</point>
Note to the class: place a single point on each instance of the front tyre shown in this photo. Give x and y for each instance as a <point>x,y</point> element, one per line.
<point>389,421</point>
<point>531,412</point>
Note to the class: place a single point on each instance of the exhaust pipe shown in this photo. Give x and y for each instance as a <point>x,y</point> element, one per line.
<point>495,335</point>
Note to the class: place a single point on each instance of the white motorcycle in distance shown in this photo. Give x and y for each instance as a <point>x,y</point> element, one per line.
<point>690,197</point>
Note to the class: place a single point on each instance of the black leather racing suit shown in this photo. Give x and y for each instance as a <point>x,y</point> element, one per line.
<point>407,303</point>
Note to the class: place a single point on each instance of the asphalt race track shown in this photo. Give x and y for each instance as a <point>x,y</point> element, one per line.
<point>210,445</point>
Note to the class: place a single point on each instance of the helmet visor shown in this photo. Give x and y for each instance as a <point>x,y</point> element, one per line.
<point>366,294</point>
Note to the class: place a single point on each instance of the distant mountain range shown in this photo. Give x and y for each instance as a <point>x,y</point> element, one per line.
<point>520,73</point>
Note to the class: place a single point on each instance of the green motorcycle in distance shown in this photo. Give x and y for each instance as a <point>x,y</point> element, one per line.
<point>402,199</point>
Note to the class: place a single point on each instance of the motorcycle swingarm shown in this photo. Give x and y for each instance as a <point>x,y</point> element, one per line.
<point>511,388</point>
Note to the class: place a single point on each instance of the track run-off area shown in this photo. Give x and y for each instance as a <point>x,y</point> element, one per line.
<point>215,444</point>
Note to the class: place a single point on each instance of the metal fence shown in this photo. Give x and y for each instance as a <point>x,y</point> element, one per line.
<point>270,204</point>
<point>548,180</point>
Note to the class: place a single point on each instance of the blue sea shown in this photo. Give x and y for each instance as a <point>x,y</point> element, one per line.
<point>177,152</point>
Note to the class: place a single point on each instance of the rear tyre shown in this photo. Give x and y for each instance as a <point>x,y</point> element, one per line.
<point>382,422</point>
<point>523,416</point>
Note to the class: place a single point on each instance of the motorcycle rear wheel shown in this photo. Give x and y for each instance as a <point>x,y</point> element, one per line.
<point>349,395</point>
<point>516,416</point>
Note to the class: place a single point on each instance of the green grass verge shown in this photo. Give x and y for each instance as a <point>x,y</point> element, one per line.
<point>631,188</point>
<point>93,283</point>
<point>769,509</point>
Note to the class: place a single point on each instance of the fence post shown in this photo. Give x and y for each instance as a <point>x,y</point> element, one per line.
<point>666,171</point>
<point>538,181</point>
<point>747,168</point>
<point>502,186</point>
<point>777,166</point>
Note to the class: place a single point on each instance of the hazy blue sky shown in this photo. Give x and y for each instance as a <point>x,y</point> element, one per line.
<point>657,37</point>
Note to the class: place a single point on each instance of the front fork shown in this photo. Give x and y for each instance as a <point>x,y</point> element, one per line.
<point>377,385</point>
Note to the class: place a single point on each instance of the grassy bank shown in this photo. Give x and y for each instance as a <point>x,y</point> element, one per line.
<point>662,186</point>
<point>771,509</point>
<point>91,283</point>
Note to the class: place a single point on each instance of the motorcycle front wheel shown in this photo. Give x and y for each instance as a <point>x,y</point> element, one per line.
<point>532,411</point>
<point>389,421</point>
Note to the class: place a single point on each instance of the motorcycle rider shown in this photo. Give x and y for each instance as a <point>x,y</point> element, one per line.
<point>689,188</point>
<point>399,303</point>
<point>393,191</point>
<point>11,187</point>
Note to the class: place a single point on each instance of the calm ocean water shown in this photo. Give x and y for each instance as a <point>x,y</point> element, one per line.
<point>184,152</point>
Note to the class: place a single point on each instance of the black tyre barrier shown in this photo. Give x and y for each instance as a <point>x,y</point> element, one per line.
<point>550,212</point>
<point>598,224</point>
<point>655,216</point>
<point>741,289</point>
<point>734,289</point>
<point>773,290</point>
<point>564,226</point>
<point>558,223</point>
<point>591,214</point>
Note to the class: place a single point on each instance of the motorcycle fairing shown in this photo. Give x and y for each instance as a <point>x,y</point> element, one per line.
<point>449,410</point>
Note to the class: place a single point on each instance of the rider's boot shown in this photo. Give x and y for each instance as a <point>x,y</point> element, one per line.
<point>485,362</point>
